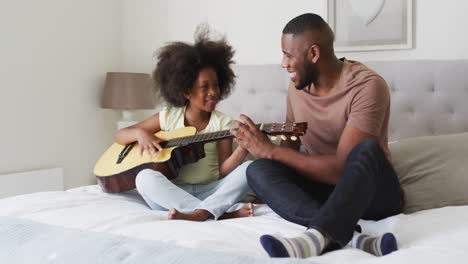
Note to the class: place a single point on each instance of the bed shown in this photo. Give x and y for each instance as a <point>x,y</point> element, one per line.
<point>86,225</point>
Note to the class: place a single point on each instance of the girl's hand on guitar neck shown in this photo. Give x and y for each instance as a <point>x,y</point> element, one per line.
<point>148,142</point>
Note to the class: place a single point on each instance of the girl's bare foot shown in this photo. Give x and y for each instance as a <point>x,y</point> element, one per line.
<point>199,215</point>
<point>245,211</point>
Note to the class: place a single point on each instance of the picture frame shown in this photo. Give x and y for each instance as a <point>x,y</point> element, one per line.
<point>366,25</point>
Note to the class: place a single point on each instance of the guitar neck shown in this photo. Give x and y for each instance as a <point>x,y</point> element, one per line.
<point>270,129</point>
<point>199,138</point>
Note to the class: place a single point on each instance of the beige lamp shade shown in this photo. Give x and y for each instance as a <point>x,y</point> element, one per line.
<point>124,90</point>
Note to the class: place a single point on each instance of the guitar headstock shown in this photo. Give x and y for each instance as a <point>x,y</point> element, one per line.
<point>284,129</point>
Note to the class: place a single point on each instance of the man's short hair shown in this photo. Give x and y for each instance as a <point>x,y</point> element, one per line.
<point>303,23</point>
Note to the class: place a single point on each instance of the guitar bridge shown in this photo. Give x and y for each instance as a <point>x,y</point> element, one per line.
<point>124,152</point>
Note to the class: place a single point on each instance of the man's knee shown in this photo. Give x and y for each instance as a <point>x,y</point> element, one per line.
<point>256,172</point>
<point>368,145</point>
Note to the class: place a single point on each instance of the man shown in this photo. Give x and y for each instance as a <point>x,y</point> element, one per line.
<point>344,174</point>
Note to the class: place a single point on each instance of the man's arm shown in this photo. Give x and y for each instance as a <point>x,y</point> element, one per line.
<point>322,168</point>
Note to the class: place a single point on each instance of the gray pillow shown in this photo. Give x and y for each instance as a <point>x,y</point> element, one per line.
<point>433,170</point>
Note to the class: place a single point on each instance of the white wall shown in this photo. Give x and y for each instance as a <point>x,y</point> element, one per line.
<point>254,28</point>
<point>54,55</point>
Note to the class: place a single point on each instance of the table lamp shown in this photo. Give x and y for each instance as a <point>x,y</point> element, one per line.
<point>128,91</point>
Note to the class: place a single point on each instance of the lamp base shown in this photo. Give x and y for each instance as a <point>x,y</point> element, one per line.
<point>128,119</point>
<point>123,124</point>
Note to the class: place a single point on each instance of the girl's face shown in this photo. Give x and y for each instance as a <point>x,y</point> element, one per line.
<point>204,94</point>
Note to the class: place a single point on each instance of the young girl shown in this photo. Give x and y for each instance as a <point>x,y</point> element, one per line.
<point>193,79</point>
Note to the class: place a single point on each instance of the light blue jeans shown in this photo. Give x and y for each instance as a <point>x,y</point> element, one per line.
<point>217,197</point>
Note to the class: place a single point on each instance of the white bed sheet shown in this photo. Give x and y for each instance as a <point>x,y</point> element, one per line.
<point>432,236</point>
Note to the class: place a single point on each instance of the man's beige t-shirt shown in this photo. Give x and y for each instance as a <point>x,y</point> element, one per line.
<point>361,100</point>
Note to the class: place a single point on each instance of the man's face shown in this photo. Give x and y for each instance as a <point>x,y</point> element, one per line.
<point>295,60</point>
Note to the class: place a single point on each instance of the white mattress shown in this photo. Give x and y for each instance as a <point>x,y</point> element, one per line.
<point>433,236</point>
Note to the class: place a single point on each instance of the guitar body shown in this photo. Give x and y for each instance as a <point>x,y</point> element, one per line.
<point>120,177</point>
<point>118,167</point>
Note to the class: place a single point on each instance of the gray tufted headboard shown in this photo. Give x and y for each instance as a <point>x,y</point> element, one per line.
<point>428,97</point>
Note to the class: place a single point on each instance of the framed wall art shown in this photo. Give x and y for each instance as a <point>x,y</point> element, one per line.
<point>371,24</point>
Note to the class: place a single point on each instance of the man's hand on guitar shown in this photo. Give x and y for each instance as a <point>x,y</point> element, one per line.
<point>252,139</point>
<point>148,142</point>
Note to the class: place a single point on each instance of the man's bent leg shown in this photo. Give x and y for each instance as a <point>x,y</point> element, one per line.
<point>288,194</point>
<point>294,199</point>
<point>368,188</point>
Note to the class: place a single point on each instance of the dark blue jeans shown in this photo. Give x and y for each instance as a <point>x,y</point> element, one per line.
<point>368,188</point>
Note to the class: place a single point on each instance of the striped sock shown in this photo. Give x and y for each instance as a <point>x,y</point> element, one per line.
<point>378,246</point>
<point>308,244</point>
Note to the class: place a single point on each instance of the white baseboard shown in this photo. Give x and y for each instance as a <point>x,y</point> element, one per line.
<point>31,181</point>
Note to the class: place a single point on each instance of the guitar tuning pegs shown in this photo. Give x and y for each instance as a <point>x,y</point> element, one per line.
<point>273,137</point>
<point>283,137</point>
<point>293,138</point>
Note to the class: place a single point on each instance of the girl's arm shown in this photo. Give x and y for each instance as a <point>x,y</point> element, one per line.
<point>229,160</point>
<point>143,132</point>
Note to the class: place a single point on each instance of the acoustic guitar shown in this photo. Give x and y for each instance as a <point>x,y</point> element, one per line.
<point>117,168</point>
